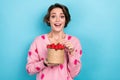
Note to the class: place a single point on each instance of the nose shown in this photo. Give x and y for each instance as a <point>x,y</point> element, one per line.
<point>57,19</point>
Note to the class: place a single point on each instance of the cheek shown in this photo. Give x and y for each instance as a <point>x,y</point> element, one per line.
<point>63,21</point>
<point>51,23</point>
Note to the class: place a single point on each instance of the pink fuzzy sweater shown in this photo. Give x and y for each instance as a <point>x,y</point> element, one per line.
<point>66,71</point>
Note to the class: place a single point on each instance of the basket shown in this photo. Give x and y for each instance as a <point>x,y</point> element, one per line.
<point>55,56</point>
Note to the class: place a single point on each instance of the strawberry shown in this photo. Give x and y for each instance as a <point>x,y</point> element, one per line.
<point>62,47</point>
<point>56,47</point>
<point>53,46</point>
<point>48,46</point>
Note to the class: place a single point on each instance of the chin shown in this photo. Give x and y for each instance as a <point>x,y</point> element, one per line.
<point>58,30</point>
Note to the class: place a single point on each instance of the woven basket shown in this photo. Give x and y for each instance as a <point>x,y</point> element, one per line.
<point>55,56</point>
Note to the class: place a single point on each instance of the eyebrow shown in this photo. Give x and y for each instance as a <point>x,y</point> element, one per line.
<point>55,13</point>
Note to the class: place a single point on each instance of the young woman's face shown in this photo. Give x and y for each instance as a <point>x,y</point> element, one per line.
<point>57,19</point>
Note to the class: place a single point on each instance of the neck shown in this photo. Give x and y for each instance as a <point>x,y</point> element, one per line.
<point>57,35</point>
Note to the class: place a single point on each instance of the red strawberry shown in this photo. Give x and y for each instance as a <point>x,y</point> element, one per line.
<point>48,46</point>
<point>58,46</point>
<point>53,46</point>
<point>62,47</point>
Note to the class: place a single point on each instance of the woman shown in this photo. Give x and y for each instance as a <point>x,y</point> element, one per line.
<point>57,18</point>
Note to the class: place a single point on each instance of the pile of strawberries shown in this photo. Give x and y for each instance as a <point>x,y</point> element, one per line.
<point>57,46</point>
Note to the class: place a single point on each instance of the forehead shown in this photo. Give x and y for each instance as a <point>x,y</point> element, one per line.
<point>56,10</point>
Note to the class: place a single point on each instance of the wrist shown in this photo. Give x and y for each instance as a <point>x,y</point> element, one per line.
<point>71,51</point>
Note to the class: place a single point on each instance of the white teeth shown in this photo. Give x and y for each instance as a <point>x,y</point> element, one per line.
<point>57,24</point>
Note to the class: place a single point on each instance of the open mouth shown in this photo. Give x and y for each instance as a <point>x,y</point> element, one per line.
<point>57,25</point>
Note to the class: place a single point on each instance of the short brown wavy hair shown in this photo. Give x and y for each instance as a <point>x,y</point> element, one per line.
<point>65,12</point>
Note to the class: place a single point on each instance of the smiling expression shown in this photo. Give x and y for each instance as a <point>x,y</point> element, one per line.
<point>57,19</point>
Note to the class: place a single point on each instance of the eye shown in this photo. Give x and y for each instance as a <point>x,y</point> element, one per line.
<point>62,16</point>
<point>52,16</point>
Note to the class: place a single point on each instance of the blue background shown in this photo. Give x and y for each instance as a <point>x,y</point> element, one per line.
<point>95,22</point>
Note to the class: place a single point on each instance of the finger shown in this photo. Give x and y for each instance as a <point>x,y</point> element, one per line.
<point>65,41</point>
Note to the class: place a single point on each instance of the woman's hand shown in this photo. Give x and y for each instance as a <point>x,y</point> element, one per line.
<point>68,46</point>
<point>49,64</point>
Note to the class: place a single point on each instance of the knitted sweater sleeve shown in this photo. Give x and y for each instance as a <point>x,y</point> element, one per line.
<point>74,64</point>
<point>34,63</point>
